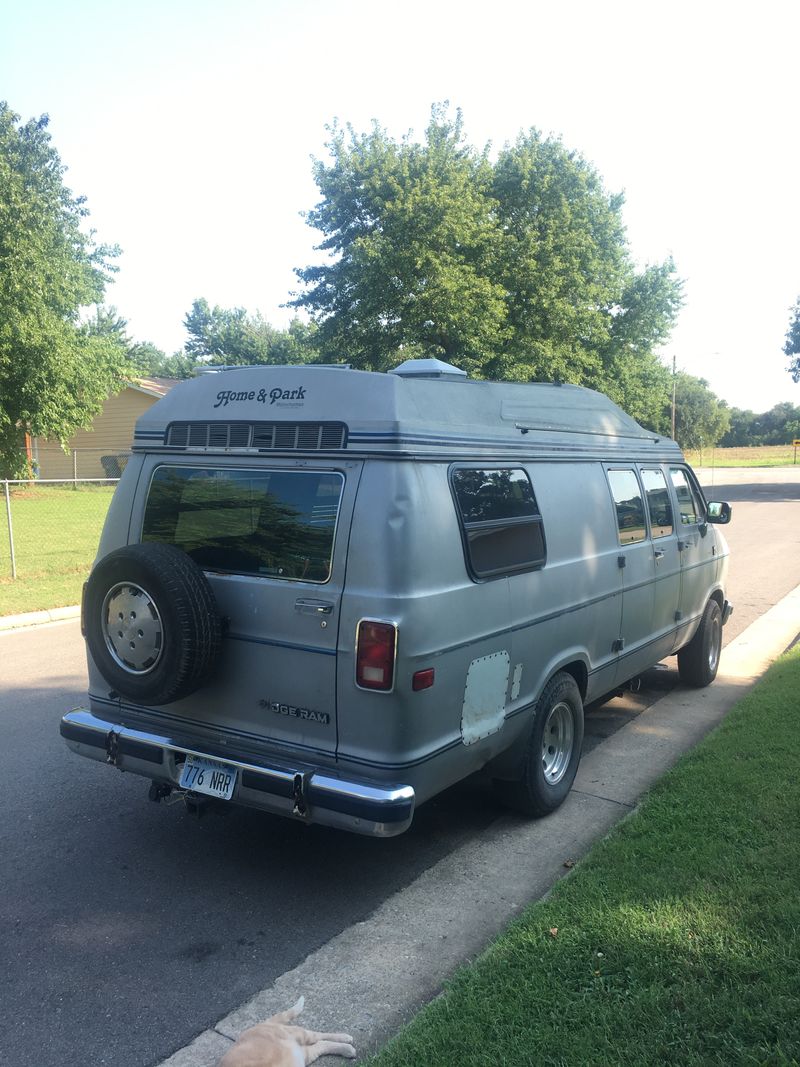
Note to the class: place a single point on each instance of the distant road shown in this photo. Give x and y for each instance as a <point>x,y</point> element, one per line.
<point>764,536</point>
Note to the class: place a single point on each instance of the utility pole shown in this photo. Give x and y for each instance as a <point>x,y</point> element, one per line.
<point>673,398</point>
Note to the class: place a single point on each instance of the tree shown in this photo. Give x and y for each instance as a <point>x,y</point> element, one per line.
<point>792,344</point>
<point>55,373</point>
<point>143,358</point>
<point>778,426</point>
<point>701,418</point>
<point>178,365</point>
<point>220,335</point>
<point>515,269</point>
<point>414,231</point>
<point>742,431</point>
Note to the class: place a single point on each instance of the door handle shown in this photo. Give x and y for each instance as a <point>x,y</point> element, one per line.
<point>659,554</point>
<point>313,607</point>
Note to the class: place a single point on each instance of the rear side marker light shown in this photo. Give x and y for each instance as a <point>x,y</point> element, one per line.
<point>422,680</point>
<point>375,648</point>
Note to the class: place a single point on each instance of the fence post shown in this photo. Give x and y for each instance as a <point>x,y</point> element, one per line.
<point>10,531</point>
<point>74,468</point>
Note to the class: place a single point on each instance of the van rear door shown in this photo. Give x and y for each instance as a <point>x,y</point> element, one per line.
<point>271,536</point>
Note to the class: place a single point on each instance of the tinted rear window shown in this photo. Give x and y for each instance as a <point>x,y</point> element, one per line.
<point>278,524</point>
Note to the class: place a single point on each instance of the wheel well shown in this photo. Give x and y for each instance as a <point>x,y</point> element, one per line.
<point>720,599</point>
<point>578,671</point>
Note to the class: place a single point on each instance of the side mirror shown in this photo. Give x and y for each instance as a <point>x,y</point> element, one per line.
<point>719,511</point>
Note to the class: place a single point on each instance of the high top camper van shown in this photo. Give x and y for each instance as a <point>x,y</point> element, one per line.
<point>331,594</point>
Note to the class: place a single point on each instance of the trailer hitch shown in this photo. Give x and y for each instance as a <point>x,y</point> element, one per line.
<point>112,748</point>
<point>300,805</point>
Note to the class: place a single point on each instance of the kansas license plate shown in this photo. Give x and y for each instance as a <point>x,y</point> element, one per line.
<point>207,776</point>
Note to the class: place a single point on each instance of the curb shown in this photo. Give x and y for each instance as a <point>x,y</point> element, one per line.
<point>39,618</point>
<point>374,976</point>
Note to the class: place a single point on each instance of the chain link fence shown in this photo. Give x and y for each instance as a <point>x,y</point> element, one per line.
<point>49,532</point>
<point>51,463</point>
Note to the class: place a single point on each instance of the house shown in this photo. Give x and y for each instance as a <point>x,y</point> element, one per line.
<point>100,451</point>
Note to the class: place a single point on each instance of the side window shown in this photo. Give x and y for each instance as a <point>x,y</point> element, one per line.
<point>690,506</point>
<point>658,502</point>
<point>500,521</point>
<point>628,502</point>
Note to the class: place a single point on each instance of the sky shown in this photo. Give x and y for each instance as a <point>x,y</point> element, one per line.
<point>190,127</point>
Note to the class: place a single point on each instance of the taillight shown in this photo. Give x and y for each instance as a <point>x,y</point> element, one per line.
<point>375,647</point>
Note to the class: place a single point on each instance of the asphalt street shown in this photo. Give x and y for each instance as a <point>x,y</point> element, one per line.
<point>126,928</point>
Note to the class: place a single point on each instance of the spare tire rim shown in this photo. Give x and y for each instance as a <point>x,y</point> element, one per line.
<point>557,741</point>
<point>132,628</point>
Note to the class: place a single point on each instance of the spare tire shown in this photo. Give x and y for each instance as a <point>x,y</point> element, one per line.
<point>151,623</point>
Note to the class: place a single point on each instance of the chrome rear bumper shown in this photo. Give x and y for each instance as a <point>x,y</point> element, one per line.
<point>302,792</point>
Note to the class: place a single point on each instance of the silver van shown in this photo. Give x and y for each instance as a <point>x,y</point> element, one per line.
<point>330,594</point>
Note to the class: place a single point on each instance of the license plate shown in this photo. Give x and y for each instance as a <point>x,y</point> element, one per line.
<point>207,776</point>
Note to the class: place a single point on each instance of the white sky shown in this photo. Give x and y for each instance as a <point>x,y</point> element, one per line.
<point>189,126</point>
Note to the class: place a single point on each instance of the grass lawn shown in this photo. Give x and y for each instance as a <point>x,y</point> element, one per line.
<point>758,456</point>
<point>676,941</point>
<point>56,531</point>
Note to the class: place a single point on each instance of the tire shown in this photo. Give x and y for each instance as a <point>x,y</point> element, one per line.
<point>553,750</point>
<point>151,622</point>
<point>698,661</point>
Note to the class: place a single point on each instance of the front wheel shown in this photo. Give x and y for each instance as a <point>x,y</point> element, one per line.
<point>553,751</point>
<point>699,660</point>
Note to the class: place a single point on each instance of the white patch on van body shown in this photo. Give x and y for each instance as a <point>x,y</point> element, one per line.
<point>516,681</point>
<point>484,707</point>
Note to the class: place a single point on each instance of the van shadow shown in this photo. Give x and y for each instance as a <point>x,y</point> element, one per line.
<point>604,717</point>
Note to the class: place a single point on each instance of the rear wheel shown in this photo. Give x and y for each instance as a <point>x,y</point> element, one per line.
<point>553,751</point>
<point>698,661</point>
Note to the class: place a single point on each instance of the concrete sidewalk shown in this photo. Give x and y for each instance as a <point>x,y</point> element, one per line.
<point>374,976</point>
<point>37,618</point>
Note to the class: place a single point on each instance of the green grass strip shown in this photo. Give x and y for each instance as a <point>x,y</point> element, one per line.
<point>56,532</point>
<point>755,456</point>
<point>677,940</point>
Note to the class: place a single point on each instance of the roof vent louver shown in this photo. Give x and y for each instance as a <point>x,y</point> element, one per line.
<point>239,435</point>
<point>263,435</point>
<point>259,436</point>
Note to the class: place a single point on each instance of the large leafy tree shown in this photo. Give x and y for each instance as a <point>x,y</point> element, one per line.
<point>516,268</point>
<point>232,336</point>
<point>778,426</point>
<point>792,344</point>
<point>413,239</point>
<point>143,358</point>
<point>742,431</point>
<point>701,418</point>
<point>55,372</point>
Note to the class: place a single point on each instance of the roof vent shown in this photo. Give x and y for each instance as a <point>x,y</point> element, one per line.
<point>428,368</point>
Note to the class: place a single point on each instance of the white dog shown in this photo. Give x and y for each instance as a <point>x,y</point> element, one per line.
<point>276,1044</point>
